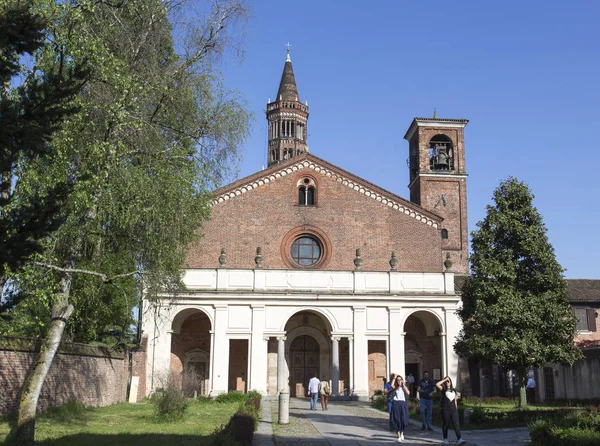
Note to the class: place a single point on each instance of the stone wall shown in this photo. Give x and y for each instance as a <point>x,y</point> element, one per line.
<point>94,376</point>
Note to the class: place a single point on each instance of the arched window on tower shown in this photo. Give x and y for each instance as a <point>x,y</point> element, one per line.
<point>288,153</point>
<point>441,153</point>
<point>275,155</point>
<point>444,234</point>
<point>307,192</point>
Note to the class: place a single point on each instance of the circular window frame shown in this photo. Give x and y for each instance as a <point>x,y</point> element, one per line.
<point>305,231</point>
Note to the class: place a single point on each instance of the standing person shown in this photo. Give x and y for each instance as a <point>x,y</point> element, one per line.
<point>530,388</point>
<point>399,413</point>
<point>410,379</point>
<point>449,409</point>
<point>324,391</point>
<point>313,391</point>
<point>425,389</point>
<point>387,388</point>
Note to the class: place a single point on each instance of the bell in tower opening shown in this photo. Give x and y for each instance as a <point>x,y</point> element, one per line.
<point>441,155</point>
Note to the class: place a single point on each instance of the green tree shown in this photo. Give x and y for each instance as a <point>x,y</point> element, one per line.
<point>516,310</point>
<point>155,132</point>
<point>33,105</point>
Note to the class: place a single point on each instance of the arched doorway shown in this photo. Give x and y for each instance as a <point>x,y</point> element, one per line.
<point>304,358</point>
<point>190,352</point>
<point>423,345</point>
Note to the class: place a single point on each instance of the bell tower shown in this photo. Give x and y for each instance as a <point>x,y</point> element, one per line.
<point>438,181</point>
<point>287,118</point>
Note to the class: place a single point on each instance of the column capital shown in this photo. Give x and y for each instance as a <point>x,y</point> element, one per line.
<point>220,307</point>
<point>359,309</point>
<point>281,338</point>
<point>336,338</point>
<point>394,309</point>
<point>442,333</point>
<point>403,333</point>
<point>257,307</point>
<point>266,338</point>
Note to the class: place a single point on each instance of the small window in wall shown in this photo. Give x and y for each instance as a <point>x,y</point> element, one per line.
<point>585,319</point>
<point>307,192</point>
<point>444,234</point>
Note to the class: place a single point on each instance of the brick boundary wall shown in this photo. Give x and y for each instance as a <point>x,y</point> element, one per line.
<point>94,376</point>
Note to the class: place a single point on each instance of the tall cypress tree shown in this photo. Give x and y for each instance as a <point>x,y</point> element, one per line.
<point>516,310</point>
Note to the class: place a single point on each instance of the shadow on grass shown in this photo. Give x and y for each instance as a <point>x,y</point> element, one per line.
<point>127,439</point>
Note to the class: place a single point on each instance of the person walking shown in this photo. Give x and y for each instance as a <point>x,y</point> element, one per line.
<point>425,389</point>
<point>399,414</point>
<point>387,388</point>
<point>313,391</point>
<point>449,405</point>
<point>324,391</point>
<point>410,379</point>
<point>530,389</point>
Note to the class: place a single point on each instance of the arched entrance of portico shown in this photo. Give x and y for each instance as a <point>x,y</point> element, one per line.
<point>190,351</point>
<point>423,345</point>
<point>308,348</point>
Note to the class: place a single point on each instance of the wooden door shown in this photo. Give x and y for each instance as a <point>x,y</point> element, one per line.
<point>304,355</point>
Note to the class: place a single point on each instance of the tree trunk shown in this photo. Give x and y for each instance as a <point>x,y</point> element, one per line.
<point>522,374</point>
<point>61,311</point>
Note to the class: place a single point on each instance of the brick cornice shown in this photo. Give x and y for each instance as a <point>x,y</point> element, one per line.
<point>322,167</point>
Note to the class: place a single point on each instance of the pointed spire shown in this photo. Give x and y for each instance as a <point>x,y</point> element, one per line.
<point>287,87</point>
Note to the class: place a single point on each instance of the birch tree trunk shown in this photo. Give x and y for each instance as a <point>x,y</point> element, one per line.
<point>61,311</point>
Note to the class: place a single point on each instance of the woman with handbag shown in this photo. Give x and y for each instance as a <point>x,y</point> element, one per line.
<point>324,391</point>
<point>399,414</point>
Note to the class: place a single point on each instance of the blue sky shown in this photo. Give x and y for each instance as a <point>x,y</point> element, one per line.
<point>526,75</point>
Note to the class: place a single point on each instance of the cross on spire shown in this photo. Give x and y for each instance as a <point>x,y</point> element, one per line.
<point>288,51</point>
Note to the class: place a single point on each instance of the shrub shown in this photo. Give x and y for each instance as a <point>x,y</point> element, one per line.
<point>241,427</point>
<point>580,428</point>
<point>231,397</point>
<point>169,403</point>
<point>379,401</point>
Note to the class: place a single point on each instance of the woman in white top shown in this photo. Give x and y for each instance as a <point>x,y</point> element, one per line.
<point>399,413</point>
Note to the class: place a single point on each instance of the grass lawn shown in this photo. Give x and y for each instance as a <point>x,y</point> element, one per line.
<point>129,424</point>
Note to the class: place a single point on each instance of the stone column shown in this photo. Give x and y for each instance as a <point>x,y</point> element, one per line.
<point>361,354</point>
<point>351,365</point>
<point>158,360</point>
<point>258,349</point>
<point>444,346</point>
<point>335,365</point>
<point>281,363</point>
<point>221,352</point>
<point>451,331</point>
<point>395,342</point>
<point>211,365</point>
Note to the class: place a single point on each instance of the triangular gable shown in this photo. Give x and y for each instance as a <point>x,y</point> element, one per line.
<point>322,167</point>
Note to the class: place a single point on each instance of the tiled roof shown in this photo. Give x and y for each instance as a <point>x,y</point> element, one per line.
<point>584,290</point>
<point>580,290</point>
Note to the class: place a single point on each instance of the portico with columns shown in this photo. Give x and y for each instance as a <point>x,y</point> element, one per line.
<point>294,324</point>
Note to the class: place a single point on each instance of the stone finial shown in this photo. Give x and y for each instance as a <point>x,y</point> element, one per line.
<point>259,259</point>
<point>394,261</point>
<point>448,262</point>
<point>358,260</point>
<point>222,258</point>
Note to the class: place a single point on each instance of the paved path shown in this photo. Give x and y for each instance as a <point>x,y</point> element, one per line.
<point>354,423</point>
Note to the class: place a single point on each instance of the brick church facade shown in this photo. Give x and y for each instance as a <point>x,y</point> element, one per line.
<point>306,269</point>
